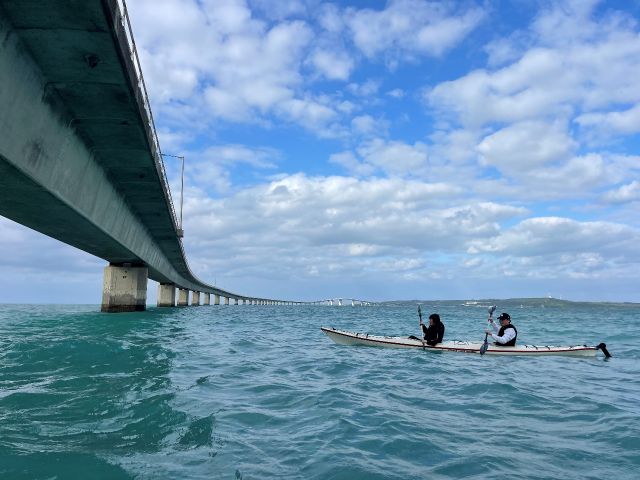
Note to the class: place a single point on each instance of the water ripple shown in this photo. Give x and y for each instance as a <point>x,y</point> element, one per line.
<point>201,393</point>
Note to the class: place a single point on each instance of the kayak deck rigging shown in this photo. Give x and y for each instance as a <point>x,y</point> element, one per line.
<point>344,337</point>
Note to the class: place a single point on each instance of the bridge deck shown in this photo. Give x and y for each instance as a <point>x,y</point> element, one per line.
<point>82,163</point>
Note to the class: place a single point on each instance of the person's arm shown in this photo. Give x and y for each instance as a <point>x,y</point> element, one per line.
<point>508,335</point>
<point>493,326</point>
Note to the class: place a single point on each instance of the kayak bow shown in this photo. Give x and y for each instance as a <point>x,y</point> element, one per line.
<point>343,337</point>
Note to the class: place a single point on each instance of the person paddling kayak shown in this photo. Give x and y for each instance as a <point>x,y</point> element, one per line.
<point>506,335</point>
<point>434,333</point>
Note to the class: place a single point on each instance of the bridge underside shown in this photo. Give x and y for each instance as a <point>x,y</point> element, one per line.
<point>78,160</point>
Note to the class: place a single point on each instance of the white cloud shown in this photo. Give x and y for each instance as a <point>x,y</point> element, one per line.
<point>555,235</point>
<point>570,68</point>
<point>406,28</point>
<point>624,194</point>
<point>365,89</point>
<point>624,122</point>
<point>524,146</point>
<point>394,158</point>
<point>396,93</point>
<point>334,65</point>
<point>367,125</point>
<point>547,82</point>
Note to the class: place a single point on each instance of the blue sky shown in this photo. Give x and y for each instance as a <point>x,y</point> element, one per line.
<point>388,150</point>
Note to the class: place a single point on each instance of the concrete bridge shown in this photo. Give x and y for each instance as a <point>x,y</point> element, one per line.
<point>80,159</point>
<point>343,301</point>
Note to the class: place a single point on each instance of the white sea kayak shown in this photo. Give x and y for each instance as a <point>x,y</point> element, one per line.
<point>350,338</point>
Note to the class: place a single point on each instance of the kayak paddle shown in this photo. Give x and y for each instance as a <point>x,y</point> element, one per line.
<point>485,345</point>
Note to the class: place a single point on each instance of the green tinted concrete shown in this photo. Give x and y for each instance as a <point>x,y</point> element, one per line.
<point>77,159</point>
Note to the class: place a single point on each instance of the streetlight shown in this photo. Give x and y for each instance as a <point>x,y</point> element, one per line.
<point>181,157</point>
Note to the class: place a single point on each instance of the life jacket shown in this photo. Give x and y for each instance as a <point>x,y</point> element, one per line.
<point>511,342</point>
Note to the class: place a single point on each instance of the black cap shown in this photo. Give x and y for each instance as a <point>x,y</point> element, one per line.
<point>504,316</point>
<point>435,317</point>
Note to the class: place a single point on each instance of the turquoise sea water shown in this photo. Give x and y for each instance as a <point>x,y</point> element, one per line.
<point>249,392</point>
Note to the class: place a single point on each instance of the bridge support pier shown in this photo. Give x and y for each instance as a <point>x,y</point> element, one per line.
<point>124,289</point>
<point>226,300</point>
<point>216,299</point>
<point>166,295</point>
<point>195,299</point>
<point>183,297</point>
<point>207,299</point>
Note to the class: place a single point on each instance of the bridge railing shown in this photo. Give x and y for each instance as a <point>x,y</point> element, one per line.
<point>123,18</point>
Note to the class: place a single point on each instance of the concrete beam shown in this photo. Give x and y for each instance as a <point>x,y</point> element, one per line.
<point>124,289</point>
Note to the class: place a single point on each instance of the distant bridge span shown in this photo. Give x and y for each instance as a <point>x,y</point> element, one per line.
<point>79,155</point>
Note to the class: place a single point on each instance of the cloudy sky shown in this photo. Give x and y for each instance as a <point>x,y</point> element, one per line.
<point>387,150</point>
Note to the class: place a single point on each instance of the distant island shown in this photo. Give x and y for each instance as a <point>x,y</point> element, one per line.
<point>510,303</point>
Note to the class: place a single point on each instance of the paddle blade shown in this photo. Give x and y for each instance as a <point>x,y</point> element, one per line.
<point>492,309</point>
<point>485,345</point>
<point>603,347</point>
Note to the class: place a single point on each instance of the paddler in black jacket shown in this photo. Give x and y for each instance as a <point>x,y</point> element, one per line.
<point>507,334</point>
<point>434,333</point>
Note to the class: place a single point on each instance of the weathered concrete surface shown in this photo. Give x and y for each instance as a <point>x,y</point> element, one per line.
<point>195,299</point>
<point>216,299</point>
<point>207,299</point>
<point>78,157</point>
<point>183,297</point>
<point>166,295</point>
<point>124,289</point>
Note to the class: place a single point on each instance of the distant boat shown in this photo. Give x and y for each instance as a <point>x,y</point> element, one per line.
<point>473,303</point>
<point>470,304</point>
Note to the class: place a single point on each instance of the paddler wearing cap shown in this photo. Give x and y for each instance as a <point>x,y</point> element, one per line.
<point>506,335</point>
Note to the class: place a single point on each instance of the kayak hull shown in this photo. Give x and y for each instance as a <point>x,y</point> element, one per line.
<point>343,337</point>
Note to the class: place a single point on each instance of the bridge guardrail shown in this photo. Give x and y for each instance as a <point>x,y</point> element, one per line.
<point>123,18</point>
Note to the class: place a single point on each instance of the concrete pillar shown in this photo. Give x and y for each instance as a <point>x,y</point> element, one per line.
<point>216,299</point>
<point>226,300</point>
<point>236,302</point>
<point>124,289</point>
<point>166,295</point>
<point>207,299</point>
<point>195,299</point>
<point>183,297</point>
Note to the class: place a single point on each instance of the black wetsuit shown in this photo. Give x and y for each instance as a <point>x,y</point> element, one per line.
<point>433,334</point>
